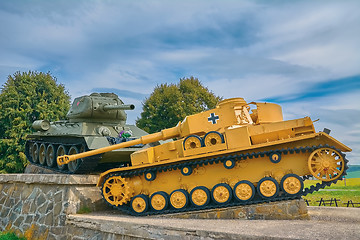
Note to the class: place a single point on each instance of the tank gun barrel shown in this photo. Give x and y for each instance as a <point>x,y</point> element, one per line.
<point>163,135</point>
<point>118,107</point>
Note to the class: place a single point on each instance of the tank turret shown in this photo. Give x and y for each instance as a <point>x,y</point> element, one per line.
<point>237,153</point>
<point>98,107</point>
<point>94,121</point>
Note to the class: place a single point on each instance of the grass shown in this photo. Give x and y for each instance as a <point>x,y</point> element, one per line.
<point>84,209</point>
<point>10,236</point>
<point>339,191</point>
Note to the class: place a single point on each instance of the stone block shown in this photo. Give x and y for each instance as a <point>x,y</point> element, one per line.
<point>4,212</point>
<point>41,208</point>
<point>18,221</point>
<point>57,209</point>
<point>26,207</point>
<point>293,209</point>
<point>40,199</point>
<point>49,219</point>
<point>29,219</point>
<point>58,196</point>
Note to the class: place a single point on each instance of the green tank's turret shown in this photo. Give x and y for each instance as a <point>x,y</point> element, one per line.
<point>98,107</point>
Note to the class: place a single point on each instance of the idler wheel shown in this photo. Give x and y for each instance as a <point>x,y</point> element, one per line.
<point>292,184</point>
<point>35,152</point>
<point>221,193</point>
<point>268,188</point>
<point>159,201</point>
<point>50,156</point>
<point>244,191</point>
<point>60,152</point>
<point>116,190</point>
<point>42,154</point>
<point>326,164</point>
<point>179,199</point>
<point>140,203</point>
<point>200,196</point>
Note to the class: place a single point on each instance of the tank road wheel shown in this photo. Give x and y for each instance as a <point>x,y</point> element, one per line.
<point>159,201</point>
<point>244,191</point>
<point>140,203</point>
<point>50,156</point>
<point>326,164</point>
<point>200,196</point>
<point>74,165</point>
<point>35,152</point>
<point>42,154</point>
<point>116,190</point>
<point>179,199</point>
<point>192,141</point>
<point>213,138</point>
<point>61,151</point>
<point>221,193</point>
<point>292,184</point>
<point>268,188</point>
<point>28,150</point>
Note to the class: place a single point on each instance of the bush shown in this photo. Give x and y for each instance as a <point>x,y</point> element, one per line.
<point>10,236</point>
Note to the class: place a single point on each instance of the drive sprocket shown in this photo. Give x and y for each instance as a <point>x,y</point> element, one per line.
<point>116,190</point>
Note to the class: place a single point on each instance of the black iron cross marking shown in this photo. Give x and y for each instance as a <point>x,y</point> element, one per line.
<point>213,118</point>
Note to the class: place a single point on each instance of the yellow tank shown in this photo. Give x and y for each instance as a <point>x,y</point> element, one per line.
<point>238,153</point>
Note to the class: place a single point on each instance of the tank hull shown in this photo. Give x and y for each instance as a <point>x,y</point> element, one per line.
<point>208,170</point>
<point>78,139</point>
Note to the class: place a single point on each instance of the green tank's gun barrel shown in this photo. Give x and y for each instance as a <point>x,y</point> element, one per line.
<point>118,107</point>
<point>163,135</point>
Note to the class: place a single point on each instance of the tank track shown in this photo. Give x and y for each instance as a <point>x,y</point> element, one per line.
<point>87,166</point>
<point>236,157</point>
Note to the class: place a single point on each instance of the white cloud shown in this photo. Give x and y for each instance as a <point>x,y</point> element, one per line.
<point>251,49</point>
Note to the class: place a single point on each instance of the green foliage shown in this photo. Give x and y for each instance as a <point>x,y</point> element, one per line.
<point>84,209</point>
<point>26,97</point>
<point>171,103</point>
<point>10,236</point>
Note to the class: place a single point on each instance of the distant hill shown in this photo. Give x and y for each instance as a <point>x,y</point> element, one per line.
<point>353,171</point>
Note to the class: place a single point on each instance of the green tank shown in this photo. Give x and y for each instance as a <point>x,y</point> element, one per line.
<point>94,121</point>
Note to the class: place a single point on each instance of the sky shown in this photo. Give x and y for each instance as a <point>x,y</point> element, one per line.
<point>303,55</point>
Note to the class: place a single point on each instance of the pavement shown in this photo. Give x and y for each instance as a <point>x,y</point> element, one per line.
<point>325,223</point>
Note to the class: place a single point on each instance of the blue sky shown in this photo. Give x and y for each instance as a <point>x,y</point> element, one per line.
<point>304,55</point>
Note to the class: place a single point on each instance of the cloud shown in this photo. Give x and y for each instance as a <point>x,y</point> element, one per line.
<point>301,54</point>
<point>122,93</point>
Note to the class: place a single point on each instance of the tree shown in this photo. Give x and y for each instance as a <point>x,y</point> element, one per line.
<point>24,98</point>
<point>171,103</point>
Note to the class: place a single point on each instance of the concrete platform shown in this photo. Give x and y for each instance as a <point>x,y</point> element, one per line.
<point>325,223</point>
<point>281,210</point>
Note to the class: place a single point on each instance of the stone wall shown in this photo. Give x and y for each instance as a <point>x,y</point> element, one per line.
<point>37,205</point>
